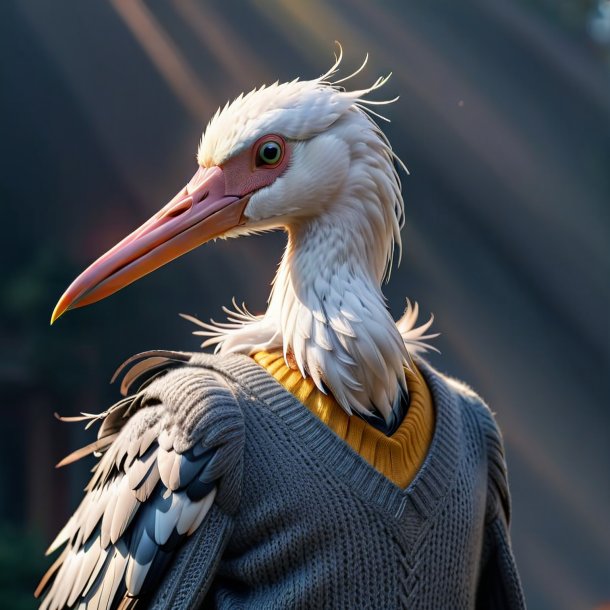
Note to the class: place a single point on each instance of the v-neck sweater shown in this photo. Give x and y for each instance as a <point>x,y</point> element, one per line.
<point>310,524</point>
<point>398,456</point>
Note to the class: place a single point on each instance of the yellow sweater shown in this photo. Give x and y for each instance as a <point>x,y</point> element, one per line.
<point>398,457</point>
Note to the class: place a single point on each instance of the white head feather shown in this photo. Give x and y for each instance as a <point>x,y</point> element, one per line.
<point>340,202</point>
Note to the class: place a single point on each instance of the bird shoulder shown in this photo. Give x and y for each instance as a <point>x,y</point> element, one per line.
<point>166,454</point>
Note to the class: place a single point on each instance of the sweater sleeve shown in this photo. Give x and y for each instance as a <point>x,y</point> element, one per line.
<point>188,581</point>
<point>499,584</point>
<point>214,413</point>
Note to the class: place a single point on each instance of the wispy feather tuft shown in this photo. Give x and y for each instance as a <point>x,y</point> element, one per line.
<point>326,310</point>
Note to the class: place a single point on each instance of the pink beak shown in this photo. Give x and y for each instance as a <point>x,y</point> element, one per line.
<point>199,212</point>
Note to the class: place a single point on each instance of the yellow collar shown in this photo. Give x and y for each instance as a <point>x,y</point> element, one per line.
<point>398,457</point>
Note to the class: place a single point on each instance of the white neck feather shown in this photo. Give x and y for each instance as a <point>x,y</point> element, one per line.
<point>326,310</point>
<point>334,322</point>
<point>328,315</point>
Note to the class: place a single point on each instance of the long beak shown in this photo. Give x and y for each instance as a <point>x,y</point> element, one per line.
<point>198,213</point>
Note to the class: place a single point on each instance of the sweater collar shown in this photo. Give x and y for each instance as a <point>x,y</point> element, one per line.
<point>420,499</point>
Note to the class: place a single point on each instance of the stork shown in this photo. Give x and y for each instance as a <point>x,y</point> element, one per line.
<point>217,478</point>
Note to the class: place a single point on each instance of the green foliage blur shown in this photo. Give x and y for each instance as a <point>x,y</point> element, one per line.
<point>21,567</point>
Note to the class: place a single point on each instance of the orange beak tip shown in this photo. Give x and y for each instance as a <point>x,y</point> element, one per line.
<point>58,312</point>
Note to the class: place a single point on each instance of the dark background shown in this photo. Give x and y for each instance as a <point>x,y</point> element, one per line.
<point>504,123</point>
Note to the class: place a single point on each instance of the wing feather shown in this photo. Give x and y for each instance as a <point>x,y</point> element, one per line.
<point>148,485</point>
<point>94,513</point>
<point>124,511</point>
<point>87,450</point>
<point>161,464</point>
<point>90,559</point>
<point>141,469</point>
<point>98,568</point>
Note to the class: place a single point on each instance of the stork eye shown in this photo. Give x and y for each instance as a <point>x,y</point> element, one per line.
<point>269,153</point>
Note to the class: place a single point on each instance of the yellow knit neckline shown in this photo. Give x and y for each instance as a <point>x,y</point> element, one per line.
<point>399,456</point>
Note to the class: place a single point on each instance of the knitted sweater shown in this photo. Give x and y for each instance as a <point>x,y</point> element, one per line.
<point>305,522</point>
<point>398,455</point>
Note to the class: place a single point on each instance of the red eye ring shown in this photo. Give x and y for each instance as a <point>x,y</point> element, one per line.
<point>268,151</point>
<point>243,176</point>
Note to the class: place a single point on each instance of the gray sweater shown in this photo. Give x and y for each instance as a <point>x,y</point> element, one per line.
<point>217,488</point>
<point>301,521</point>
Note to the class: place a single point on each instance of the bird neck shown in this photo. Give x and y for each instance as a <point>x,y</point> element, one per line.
<point>331,318</point>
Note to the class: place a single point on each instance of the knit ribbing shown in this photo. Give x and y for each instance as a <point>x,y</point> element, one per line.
<point>399,456</point>
<point>433,478</point>
<point>318,527</point>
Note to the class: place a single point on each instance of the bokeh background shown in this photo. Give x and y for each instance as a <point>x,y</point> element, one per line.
<point>504,122</point>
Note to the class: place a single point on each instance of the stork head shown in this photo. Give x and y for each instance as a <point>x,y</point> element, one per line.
<point>281,156</point>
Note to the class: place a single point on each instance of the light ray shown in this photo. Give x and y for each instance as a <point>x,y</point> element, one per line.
<point>515,428</point>
<point>557,580</point>
<point>225,45</point>
<point>479,127</point>
<point>165,56</point>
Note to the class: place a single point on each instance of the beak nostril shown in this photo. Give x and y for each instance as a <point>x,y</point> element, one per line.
<point>204,196</point>
<point>179,209</point>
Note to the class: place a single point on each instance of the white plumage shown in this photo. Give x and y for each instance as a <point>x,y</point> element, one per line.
<point>336,192</point>
<point>340,202</point>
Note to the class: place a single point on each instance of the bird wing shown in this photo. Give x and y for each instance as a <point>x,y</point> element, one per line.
<point>166,453</point>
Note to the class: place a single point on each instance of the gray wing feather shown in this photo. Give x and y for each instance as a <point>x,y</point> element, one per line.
<point>165,452</point>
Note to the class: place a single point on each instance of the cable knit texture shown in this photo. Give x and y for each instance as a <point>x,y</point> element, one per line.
<point>398,456</point>
<point>318,527</point>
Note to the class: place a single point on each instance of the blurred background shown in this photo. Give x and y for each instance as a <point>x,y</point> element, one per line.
<point>504,123</point>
